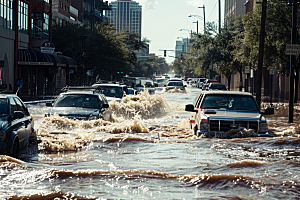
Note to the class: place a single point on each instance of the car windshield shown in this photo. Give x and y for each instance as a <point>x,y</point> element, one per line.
<point>112,91</point>
<point>78,100</point>
<point>3,107</point>
<point>144,83</point>
<point>229,102</point>
<point>218,86</point>
<point>175,83</point>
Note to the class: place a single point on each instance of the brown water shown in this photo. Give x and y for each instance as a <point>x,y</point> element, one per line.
<point>146,151</point>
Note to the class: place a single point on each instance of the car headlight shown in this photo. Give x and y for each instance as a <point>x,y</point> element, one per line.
<point>93,117</point>
<point>2,135</point>
<point>263,127</point>
<point>204,125</point>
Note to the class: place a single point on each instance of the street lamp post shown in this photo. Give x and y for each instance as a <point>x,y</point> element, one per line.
<point>197,26</point>
<point>203,16</point>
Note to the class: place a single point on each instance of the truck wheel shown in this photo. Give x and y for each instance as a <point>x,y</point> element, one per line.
<point>195,130</point>
<point>15,150</point>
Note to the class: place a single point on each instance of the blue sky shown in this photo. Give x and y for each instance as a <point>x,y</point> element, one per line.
<point>163,19</point>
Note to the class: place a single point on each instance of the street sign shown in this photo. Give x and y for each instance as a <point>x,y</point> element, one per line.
<point>292,49</point>
<point>271,70</point>
<point>247,69</point>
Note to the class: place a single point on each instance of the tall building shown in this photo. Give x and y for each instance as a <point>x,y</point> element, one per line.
<point>90,12</point>
<point>125,14</point>
<point>234,8</point>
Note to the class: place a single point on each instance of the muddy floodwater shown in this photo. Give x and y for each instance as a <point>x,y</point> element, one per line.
<point>147,151</point>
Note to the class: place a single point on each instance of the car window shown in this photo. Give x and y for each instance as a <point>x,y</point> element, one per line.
<point>13,106</point>
<point>229,102</point>
<point>21,107</point>
<point>218,86</point>
<point>78,100</point>
<point>175,83</point>
<point>3,107</point>
<point>112,91</point>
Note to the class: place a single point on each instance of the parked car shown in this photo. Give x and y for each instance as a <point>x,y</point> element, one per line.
<point>200,82</point>
<point>206,82</point>
<point>16,125</point>
<point>112,91</point>
<point>221,111</point>
<point>216,86</point>
<point>82,105</point>
<point>175,85</point>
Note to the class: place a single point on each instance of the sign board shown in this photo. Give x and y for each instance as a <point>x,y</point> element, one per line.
<point>47,47</point>
<point>271,70</point>
<point>292,49</point>
<point>247,69</point>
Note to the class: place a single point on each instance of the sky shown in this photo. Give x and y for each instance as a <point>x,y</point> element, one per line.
<point>163,19</point>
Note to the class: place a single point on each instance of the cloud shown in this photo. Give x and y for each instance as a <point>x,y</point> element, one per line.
<point>195,2</point>
<point>149,4</point>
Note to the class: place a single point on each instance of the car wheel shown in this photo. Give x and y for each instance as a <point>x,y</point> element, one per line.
<point>15,150</point>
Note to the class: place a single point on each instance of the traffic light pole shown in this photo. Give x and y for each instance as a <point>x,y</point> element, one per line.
<point>293,62</point>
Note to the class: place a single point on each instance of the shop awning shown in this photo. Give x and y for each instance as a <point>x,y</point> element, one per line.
<point>34,57</point>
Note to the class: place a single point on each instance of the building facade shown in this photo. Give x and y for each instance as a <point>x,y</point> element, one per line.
<point>90,12</point>
<point>125,14</point>
<point>234,8</point>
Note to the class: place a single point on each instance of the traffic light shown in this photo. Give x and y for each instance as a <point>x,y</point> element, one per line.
<point>153,58</point>
<point>181,55</point>
<point>165,53</point>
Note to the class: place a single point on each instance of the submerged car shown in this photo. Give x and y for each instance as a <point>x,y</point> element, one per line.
<point>16,125</point>
<point>175,85</point>
<point>112,91</point>
<point>221,111</point>
<point>82,105</point>
<point>139,84</point>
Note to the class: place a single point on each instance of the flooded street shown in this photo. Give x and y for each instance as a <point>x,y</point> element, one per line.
<point>147,151</point>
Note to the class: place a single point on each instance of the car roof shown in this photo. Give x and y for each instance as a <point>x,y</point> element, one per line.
<point>227,92</point>
<point>108,84</point>
<point>175,79</point>
<point>6,95</point>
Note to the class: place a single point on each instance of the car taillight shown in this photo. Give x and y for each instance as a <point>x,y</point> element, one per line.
<point>200,109</point>
<point>192,121</point>
<point>204,125</point>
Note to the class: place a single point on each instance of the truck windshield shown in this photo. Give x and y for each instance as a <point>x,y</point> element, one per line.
<point>229,102</point>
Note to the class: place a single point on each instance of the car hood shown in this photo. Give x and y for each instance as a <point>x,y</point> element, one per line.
<point>147,88</point>
<point>220,114</point>
<point>113,99</point>
<point>66,111</point>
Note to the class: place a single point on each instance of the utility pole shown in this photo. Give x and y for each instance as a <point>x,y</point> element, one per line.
<point>197,26</point>
<point>203,17</point>
<point>293,62</point>
<point>219,16</point>
<point>261,52</point>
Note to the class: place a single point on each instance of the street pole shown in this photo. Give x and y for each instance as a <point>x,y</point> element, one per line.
<point>203,17</point>
<point>293,63</point>
<point>219,16</point>
<point>197,26</point>
<point>261,52</point>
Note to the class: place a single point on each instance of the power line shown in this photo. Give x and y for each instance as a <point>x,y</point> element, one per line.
<point>213,10</point>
